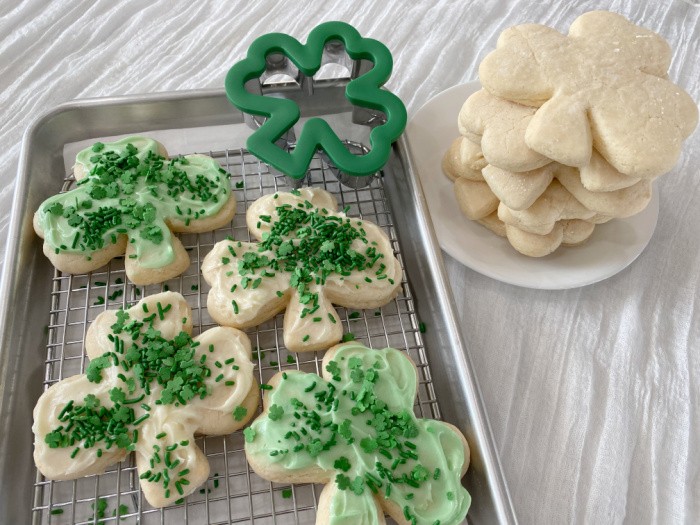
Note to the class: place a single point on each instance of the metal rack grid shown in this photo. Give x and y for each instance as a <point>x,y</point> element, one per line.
<point>233,493</point>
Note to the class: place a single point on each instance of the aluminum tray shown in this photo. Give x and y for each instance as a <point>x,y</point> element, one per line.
<point>44,315</point>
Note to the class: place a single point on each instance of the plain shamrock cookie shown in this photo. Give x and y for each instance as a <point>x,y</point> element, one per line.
<point>354,430</point>
<point>309,257</point>
<point>604,85</point>
<point>149,388</point>
<point>128,199</point>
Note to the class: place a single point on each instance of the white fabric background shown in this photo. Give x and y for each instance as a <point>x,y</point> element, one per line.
<point>592,393</point>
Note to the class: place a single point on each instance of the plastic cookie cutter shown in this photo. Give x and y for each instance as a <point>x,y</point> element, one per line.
<point>273,115</point>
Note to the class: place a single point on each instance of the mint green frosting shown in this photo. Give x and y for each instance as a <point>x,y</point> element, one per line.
<point>129,189</point>
<point>347,508</point>
<point>359,419</point>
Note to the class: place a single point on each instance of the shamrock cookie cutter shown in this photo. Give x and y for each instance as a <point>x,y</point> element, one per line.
<point>274,141</point>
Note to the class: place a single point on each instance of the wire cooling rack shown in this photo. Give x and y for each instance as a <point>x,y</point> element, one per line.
<point>233,493</point>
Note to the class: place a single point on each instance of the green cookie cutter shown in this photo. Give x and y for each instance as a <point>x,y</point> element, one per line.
<point>363,91</point>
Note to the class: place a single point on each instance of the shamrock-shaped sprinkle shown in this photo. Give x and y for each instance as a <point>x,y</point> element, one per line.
<point>309,257</point>
<point>149,388</point>
<point>129,197</point>
<point>364,91</point>
<point>355,430</point>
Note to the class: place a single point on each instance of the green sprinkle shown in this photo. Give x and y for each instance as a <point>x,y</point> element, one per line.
<point>249,434</point>
<point>239,413</point>
<point>235,307</point>
<point>266,387</point>
<point>348,337</point>
<point>421,328</point>
<point>55,512</point>
<point>240,185</point>
<point>275,412</point>
<point>287,493</point>
<point>354,315</point>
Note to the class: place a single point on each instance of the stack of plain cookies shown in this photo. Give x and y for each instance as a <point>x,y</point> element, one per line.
<point>568,132</point>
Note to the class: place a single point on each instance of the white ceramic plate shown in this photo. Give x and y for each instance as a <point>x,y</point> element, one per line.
<point>611,248</point>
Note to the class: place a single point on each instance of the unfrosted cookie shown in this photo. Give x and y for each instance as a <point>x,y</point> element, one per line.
<point>128,200</point>
<point>475,199</point>
<point>501,126</point>
<point>504,125</point>
<point>566,232</point>
<point>310,256</point>
<point>463,159</point>
<point>354,430</point>
<point>619,203</point>
<point>516,190</point>
<point>554,205</point>
<point>604,86</point>
<point>149,388</point>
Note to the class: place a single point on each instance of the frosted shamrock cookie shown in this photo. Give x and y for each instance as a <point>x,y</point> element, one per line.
<point>129,198</point>
<point>149,388</point>
<point>310,256</point>
<point>354,429</point>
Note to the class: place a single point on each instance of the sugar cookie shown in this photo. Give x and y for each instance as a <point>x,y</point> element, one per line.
<point>149,388</point>
<point>130,198</point>
<point>463,159</point>
<point>310,257</point>
<point>604,86</point>
<point>354,430</point>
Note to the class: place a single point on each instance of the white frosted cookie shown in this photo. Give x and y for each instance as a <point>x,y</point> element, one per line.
<point>128,200</point>
<point>554,205</point>
<point>354,429</point>
<point>501,126</point>
<point>475,199</point>
<point>619,203</point>
<point>149,388</point>
<point>310,257</point>
<point>463,159</point>
<point>604,86</point>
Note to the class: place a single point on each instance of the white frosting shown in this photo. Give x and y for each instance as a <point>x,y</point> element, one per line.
<point>211,415</point>
<point>220,270</point>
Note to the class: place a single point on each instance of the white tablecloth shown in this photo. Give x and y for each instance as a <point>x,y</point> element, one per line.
<point>592,393</point>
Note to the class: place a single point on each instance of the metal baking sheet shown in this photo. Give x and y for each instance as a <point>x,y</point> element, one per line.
<point>45,315</point>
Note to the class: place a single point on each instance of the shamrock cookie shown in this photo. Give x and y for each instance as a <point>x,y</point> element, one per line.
<point>149,388</point>
<point>604,86</point>
<point>500,127</point>
<point>355,430</point>
<point>129,198</point>
<point>463,159</point>
<point>309,257</point>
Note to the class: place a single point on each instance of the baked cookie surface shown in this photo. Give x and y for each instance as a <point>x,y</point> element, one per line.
<point>354,429</point>
<point>129,198</point>
<point>149,388</point>
<point>310,256</point>
<point>603,85</point>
